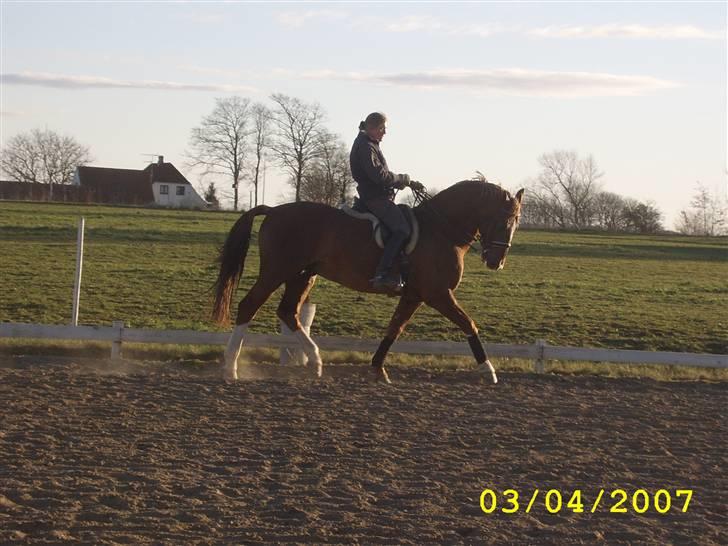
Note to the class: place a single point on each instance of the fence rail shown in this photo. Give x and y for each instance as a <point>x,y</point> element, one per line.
<point>539,352</point>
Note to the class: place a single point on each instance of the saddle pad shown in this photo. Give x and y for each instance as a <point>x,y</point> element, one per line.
<point>376,227</point>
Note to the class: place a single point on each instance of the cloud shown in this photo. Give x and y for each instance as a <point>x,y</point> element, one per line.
<point>666,32</point>
<point>514,81</point>
<point>94,82</point>
<point>297,19</point>
<point>435,25</point>
<point>432,25</point>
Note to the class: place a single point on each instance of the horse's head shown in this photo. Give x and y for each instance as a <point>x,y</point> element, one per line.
<point>497,232</point>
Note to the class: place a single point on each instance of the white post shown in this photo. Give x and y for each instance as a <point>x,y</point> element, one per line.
<point>538,364</point>
<point>116,344</point>
<point>297,356</point>
<point>79,268</point>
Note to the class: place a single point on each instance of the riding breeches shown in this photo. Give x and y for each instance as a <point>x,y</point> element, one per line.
<point>390,215</point>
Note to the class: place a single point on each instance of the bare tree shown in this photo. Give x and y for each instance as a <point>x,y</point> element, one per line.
<point>317,187</point>
<point>566,187</point>
<point>219,144</point>
<point>536,212</point>
<point>608,211</point>
<point>261,134</point>
<point>544,210</point>
<point>706,217</point>
<point>329,178</point>
<point>297,126</point>
<point>641,217</point>
<point>43,156</point>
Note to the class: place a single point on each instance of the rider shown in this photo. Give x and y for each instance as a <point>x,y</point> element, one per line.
<point>376,185</point>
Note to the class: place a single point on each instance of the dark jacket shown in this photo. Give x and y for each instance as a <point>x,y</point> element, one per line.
<point>369,169</point>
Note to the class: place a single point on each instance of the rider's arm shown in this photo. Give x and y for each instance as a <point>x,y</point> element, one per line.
<point>378,171</point>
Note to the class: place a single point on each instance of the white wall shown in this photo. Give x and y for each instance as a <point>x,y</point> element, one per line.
<point>189,200</point>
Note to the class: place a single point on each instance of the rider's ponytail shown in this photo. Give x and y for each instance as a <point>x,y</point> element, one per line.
<point>374,120</point>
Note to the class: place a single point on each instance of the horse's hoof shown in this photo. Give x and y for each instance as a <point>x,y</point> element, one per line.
<point>487,371</point>
<point>316,368</point>
<point>379,375</point>
<point>229,373</point>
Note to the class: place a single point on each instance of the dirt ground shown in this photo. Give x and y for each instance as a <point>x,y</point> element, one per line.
<point>158,454</point>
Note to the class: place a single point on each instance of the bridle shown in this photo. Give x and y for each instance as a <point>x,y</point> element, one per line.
<point>500,244</point>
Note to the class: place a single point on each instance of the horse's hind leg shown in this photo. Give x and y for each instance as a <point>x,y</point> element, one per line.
<point>247,308</point>
<point>404,311</point>
<point>297,289</point>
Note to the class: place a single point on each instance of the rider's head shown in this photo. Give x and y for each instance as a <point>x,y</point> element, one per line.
<point>375,126</point>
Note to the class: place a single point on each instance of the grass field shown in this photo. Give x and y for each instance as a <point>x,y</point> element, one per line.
<point>154,268</point>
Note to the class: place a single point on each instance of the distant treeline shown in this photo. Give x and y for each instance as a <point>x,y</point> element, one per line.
<point>604,211</point>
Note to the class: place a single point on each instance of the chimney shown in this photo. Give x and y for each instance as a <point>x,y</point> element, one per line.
<point>160,159</point>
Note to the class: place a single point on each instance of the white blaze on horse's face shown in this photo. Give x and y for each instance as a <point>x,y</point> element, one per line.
<point>496,248</point>
<point>497,238</point>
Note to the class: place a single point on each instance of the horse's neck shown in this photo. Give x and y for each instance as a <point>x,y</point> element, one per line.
<point>457,207</point>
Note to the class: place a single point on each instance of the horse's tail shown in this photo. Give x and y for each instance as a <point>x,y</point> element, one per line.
<point>232,260</point>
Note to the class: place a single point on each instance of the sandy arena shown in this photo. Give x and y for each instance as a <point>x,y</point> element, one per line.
<point>90,455</point>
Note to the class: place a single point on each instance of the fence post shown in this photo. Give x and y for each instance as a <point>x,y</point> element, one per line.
<point>538,364</point>
<point>79,268</point>
<point>116,344</point>
<point>289,355</point>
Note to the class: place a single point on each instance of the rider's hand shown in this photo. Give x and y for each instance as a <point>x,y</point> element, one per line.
<point>401,181</point>
<point>416,186</point>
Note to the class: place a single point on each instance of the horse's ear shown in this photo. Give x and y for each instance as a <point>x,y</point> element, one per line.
<point>519,195</point>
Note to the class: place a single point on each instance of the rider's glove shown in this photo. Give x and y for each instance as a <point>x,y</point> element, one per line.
<point>401,181</point>
<point>416,186</point>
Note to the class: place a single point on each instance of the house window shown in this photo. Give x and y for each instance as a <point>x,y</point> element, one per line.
<point>180,190</point>
<point>163,189</point>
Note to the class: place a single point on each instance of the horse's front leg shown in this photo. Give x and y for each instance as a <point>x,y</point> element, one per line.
<point>404,311</point>
<point>448,306</point>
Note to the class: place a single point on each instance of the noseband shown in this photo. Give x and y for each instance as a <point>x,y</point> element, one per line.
<point>500,244</point>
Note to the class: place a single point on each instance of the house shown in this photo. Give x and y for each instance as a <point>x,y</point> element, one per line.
<point>159,183</point>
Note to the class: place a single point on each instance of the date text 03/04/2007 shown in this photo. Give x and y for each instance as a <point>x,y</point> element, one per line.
<point>617,501</point>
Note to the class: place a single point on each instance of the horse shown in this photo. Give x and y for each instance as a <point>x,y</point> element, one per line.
<point>298,241</point>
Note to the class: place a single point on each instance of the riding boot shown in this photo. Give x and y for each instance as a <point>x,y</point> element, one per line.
<point>384,276</point>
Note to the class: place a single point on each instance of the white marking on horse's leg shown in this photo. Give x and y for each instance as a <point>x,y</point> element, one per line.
<point>311,350</point>
<point>232,351</point>
<point>487,367</point>
<point>379,375</point>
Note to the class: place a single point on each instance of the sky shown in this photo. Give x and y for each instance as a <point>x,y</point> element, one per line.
<point>466,87</point>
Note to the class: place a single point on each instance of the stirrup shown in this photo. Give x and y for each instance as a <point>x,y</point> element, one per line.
<point>388,281</point>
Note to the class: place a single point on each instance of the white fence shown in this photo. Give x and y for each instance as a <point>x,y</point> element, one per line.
<point>539,352</point>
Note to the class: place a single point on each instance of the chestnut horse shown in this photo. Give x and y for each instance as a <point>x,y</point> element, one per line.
<point>298,241</point>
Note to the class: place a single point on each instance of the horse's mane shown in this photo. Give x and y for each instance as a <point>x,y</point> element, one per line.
<point>491,192</point>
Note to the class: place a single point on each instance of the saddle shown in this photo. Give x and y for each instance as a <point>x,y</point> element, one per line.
<point>380,231</point>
